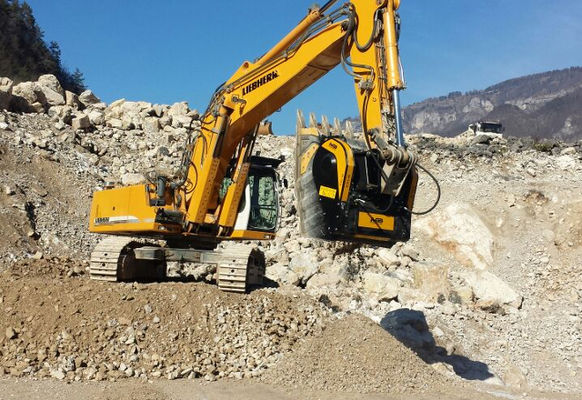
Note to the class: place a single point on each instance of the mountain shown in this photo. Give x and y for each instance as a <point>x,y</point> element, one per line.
<point>545,105</point>
<point>24,55</point>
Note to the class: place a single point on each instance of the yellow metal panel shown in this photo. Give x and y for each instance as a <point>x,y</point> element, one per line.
<point>327,192</point>
<point>345,164</point>
<point>252,235</point>
<point>370,237</point>
<point>350,164</point>
<point>375,221</point>
<point>233,197</point>
<point>126,209</point>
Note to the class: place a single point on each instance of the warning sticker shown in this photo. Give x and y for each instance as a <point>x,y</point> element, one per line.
<point>327,192</point>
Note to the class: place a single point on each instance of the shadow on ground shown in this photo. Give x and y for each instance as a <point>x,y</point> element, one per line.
<point>411,329</point>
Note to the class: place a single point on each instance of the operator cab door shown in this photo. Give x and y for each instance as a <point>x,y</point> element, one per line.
<point>259,208</point>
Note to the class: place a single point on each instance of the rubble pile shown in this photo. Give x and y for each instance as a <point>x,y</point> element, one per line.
<point>70,330</point>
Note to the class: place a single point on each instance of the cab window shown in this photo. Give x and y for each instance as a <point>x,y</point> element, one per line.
<point>264,202</point>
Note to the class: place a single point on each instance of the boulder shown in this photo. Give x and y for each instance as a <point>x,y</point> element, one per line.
<point>52,90</point>
<point>181,121</point>
<point>87,98</point>
<point>460,230</point>
<point>51,82</point>
<point>179,109</point>
<point>382,287</point>
<point>5,93</point>
<point>28,97</point>
<point>157,111</point>
<point>61,113</point>
<point>279,272</point>
<point>6,84</point>
<point>81,122</point>
<point>387,258</point>
<point>114,123</point>
<point>304,265</point>
<point>132,179</point>
<point>96,117</point>
<point>490,291</point>
<point>72,100</point>
<point>151,125</point>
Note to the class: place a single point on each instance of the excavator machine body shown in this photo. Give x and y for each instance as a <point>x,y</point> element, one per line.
<point>347,189</point>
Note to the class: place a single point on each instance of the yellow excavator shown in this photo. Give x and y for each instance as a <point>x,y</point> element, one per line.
<point>349,189</point>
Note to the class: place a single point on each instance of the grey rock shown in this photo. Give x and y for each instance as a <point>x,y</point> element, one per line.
<point>96,117</point>
<point>11,333</point>
<point>72,100</point>
<point>382,287</point>
<point>81,122</point>
<point>52,90</point>
<point>132,179</point>
<point>5,93</point>
<point>31,97</point>
<point>87,98</point>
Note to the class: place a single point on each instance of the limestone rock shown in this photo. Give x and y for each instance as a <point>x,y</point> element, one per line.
<point>281,273</point>
<point>81,122</point>
<point>114,123</point>
<point>490,291</point>
<point>132,179</point>
<point>382,287</point>
<point>11,333</point>
<point>31,93</point>
<point>87,98</point>
<point>387,257</point>
<point>96,117</point>
<point>72,100</point>
<point>179,109</point>
<point>6,84</point>
<point>51,82</point>
<point>459,229</point>
<point>431,279</point>
<point>304,264</point>
<point>52,90</point>
<point>5,93</point>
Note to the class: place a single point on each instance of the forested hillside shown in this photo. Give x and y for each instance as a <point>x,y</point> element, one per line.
<point>24,55</point>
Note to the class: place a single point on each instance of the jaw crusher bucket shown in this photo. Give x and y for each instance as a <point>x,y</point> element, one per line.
<point>339,190</point>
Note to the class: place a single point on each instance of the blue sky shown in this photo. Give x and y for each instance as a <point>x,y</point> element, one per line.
<point>180,50</point>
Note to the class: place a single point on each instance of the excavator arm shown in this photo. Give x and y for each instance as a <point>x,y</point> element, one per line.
<point>363,30</point>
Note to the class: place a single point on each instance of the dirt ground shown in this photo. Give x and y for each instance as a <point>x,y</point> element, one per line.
<point>226,390</point>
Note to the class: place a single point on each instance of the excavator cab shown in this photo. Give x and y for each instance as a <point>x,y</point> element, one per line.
<point>259,206</point>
